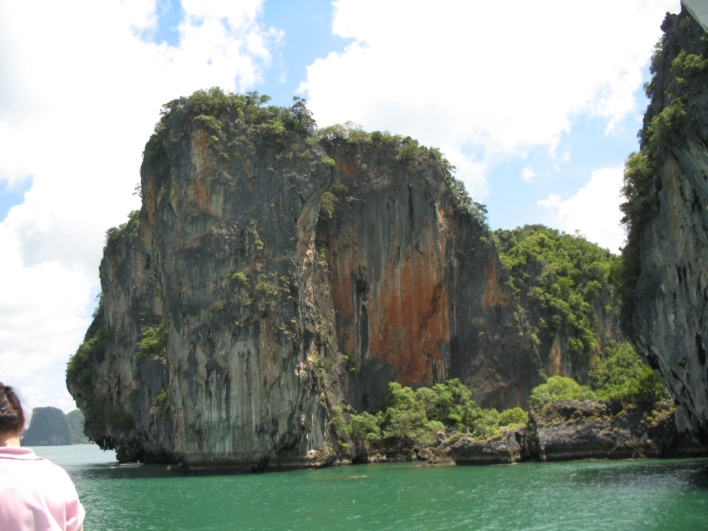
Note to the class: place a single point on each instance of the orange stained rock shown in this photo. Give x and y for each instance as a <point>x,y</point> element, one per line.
<point>150,201</point>
<point>343,299</point>
<point>409,320</point>
<point>343,166</point>
<point>493,295</point>
<point>442,225</point>
<point>200,169</point>
<point>407,305</point>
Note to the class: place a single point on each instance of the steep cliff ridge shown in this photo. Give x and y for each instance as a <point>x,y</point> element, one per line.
<point>666,259</point>
<point>278,275</point>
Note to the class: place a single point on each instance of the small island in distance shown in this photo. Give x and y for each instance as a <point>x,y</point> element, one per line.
<point>49,426</point>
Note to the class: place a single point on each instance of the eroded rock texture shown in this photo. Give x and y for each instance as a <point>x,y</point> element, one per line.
<point>419,291</point>
<point>569,429</point>
<point>276,278</point>
<point>669,323</point>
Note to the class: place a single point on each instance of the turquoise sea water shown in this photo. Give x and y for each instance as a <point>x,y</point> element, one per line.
<point>599,495</point>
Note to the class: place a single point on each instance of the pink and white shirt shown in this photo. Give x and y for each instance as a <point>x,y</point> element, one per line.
<point>35,494</point>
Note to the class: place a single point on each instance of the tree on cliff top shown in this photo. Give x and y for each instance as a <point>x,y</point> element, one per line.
<point>248,115</point>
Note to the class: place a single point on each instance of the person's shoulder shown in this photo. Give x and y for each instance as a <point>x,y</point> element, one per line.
<point>52,471</point>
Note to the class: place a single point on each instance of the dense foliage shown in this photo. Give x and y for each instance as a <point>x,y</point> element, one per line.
<point>235,122</point>
<point>558,277</point>
<point>446,412</point>
<point>619,374</point>
<point>420,418</point>
<point>666,124</point>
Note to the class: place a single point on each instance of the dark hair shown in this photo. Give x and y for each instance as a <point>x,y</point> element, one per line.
<point>12,418</point>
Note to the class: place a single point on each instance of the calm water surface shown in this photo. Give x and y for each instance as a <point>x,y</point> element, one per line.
<point>601,495</point>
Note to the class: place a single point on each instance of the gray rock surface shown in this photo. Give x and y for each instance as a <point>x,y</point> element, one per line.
<point>273,314</point>
<point>569,430</point>
<point>509,448</point>
<point>669,325</point>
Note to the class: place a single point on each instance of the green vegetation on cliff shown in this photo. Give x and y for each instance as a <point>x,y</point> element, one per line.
<point>50,427</point>
<point>407,151</point>
<point>153,342</point>
<point>127,232</point>
<point>559,279</point>
<point>619,374</point>
<point>419,418</point>
<point>236,121</point>
<point>99,414</point>
<point>678,77</point>
<point>564,283</point>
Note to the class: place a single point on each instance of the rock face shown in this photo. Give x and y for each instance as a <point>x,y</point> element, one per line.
<point>277,274</point>
<point>419,291</point>
<point>562,431</point>
<point>569,429</point>
<point>48,427</point>
<point>669,322</point>
<point>75,419</point>
<point>510,447</point>
<point>567,289</point>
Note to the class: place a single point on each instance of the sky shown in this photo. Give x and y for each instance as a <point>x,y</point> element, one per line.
<point>537,104</point>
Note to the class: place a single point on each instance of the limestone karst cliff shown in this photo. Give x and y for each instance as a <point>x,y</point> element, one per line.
<point>278,275</point>
<point>567,288</point>
<point>666,186</point>
<point>48,427</point>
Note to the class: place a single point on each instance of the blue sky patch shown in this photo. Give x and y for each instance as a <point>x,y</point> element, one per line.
<point>308,36</point>
<point>513,202</point>
<point>12,196</point>
<point>169,16</point>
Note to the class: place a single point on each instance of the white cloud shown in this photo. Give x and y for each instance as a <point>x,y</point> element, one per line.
<point>527,174</point>
<point>594,211</point>
<point>81,92</point>
<point>505,76</point>
<point>552,202</point>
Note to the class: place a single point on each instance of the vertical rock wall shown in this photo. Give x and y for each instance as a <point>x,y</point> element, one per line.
<point>270,280</point>
<point>669,324</point>
<point>419,291</point>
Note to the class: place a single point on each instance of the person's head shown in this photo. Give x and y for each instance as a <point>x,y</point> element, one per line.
<point>12,418</point>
